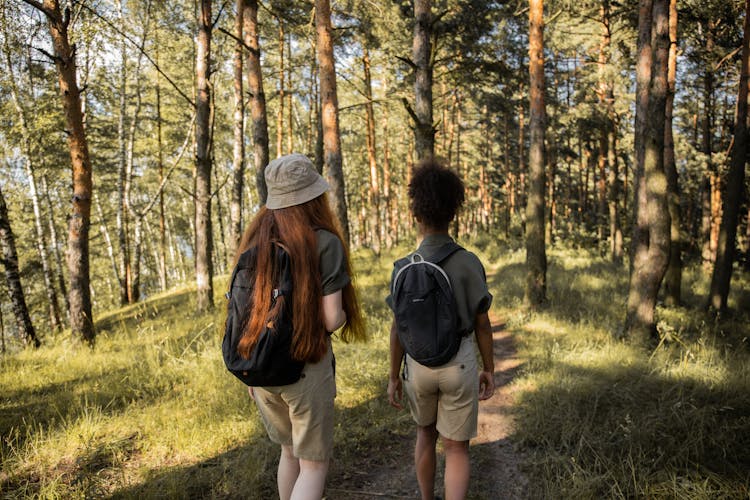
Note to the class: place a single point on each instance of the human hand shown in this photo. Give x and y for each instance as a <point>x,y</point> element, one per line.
<point>395,392</point>
<point>251,392</point>
<point>486,385</point>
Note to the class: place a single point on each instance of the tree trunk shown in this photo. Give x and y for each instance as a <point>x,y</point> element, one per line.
<point>329,116</point>
<point>105,235</point>
<point>735,185</point>
<point>9,259</point>
<point>649,266</point>
<point>391,221</point>
<point>536,258</point>
<point>280,109</point>
<point>54,241</point>
<point>257,97</point>
<point>673,277</point>
<point>238,156</point>
<point>160,147</point>
<point>639,237</point>
<point>373,198</point>
<point>41,240</point>
<point>707,185</point>
<point>203,233</point>
<point>424,131</point>
<point>124,277</point>
<point>81,319</point>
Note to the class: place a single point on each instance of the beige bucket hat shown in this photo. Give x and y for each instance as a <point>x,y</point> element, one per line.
<point>293,180</point>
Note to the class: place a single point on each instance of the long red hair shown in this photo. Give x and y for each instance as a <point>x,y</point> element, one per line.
<point>293,228</point>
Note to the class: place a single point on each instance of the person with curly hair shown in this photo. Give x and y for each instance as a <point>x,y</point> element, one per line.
<point>443,400</point>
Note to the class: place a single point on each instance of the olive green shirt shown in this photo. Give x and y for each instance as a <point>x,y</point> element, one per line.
<point>467,277</point>
<point>332,262</point>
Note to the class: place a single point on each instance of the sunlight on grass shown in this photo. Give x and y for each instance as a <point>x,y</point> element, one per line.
<point>151,411</point>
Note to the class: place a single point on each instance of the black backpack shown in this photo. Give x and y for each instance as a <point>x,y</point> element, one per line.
<point>425,308</point>
<point>270,362</point>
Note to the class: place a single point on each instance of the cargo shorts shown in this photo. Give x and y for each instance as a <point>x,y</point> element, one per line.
<point>301,414</point>
<point>447,395</point>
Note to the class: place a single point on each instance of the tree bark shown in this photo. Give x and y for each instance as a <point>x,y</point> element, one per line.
<point>639,237</point>
<point>735,185</point>
<point>424,131</point>
<point>124,277</point>
<point>257,97</point>
<point>9,259</point>
<point>709,180</point>
<point>238,156</point>
<point>673,277</point>
<point>81,319</point>
<point>54,241</point>
<point>160,147</point>
<point>649,266</point>
<point>333,167</point>
<point>203,232</point>
<point>373,198</point>
<point>281,94</point>
<point>535,293</point>
<point>41,240</point>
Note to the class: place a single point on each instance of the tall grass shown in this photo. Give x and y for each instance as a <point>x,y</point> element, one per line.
<point>151,411</point>
<point>608,419</point>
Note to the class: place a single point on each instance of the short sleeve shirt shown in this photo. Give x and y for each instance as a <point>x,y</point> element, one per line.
<point>332,262</point>
<point>467,277</point>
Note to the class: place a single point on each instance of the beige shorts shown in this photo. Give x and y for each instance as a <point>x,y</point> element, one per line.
<point>301,414</point>
<point>446,395</point>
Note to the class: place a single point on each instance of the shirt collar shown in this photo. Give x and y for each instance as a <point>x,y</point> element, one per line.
<point>432,242</point>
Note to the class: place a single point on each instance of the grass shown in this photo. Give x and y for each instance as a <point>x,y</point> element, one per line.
<point>151,411</point>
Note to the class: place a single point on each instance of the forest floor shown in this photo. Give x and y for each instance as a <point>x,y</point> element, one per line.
<point>496,463</point>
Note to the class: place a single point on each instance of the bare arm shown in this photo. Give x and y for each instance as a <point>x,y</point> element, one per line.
<point>483,332</point>
<point>395,390</point>
<point>334,316</point>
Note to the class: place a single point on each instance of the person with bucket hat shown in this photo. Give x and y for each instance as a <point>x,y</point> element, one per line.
<point>299,416</point>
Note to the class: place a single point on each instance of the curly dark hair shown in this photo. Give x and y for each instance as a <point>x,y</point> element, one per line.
<point>435,193</point>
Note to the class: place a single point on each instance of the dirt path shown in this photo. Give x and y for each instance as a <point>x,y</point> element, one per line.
<point>496,472</point>
<point>502,465</point>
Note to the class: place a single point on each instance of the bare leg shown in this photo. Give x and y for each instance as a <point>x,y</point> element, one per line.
<point>287,473</point>
<point>456,469</point>
<point>424,460</point>
<point>311,480</point>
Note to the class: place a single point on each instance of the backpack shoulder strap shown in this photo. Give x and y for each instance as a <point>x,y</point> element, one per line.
<point>444,252</point>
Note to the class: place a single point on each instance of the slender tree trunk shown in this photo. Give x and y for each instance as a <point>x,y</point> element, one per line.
<point>639,238</point>
<point>280,109</point>
<point>373,198</point>
<point>135,286</point>
<point>238,156</point>
<point>203,232</point>
<point>521,186</point>
<point>535,293</point>
<point>257,97</point>
<point>708,182</point>
<point>649,266</point>
<point>673,277</point>
<point>615,230</point>
<point>81,320</point>
<point>54,241</point>
<point>9,259</point>
<point>391,222</point>
<point>289,104</point>
<point>105,235</point>
<point>722,274</point>
<point>160,147</point>
<point>124,277</point>
<point>135,263</point>
<point>329,116</point>
<point>41,240</point>
<point>424,131</point>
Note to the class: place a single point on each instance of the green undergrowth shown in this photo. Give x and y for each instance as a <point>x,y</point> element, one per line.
<point>601,418</point>
<point>150,412</point>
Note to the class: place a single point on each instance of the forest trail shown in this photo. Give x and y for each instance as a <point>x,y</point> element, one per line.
<point>496,464</point>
